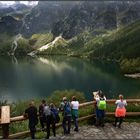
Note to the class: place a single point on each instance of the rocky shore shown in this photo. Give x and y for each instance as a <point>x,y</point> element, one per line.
<point>135,75</point>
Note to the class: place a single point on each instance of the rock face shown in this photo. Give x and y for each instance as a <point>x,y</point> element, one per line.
<point>85,16</point>
<point>44,15</point>
<point>6,10</point>
<point>70,18</point>
<point>11,18</point>
<point>97,15</point>
<point>10,25</point>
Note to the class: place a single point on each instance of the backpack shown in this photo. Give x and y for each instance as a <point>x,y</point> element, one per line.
<point>55,115</point>
<point>46,111</point>
<point>102,105</point>
<point>67,109</point>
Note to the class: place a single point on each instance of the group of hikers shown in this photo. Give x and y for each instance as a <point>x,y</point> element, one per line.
<point>49,114</point>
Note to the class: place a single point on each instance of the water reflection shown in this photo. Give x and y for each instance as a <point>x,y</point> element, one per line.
<point>28,78</point>
<point>14,59</point>
<point>56,66</point>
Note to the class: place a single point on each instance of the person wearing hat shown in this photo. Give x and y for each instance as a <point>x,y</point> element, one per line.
<point>65,107</point>
<point>75,107</point>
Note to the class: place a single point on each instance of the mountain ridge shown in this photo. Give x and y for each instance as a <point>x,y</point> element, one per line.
<point>72,18</point>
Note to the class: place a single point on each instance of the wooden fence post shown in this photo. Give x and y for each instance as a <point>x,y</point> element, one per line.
<point>5,131</point>
<point>5,121</point>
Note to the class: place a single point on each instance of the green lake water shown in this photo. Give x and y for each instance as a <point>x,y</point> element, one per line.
<point>30,78</point>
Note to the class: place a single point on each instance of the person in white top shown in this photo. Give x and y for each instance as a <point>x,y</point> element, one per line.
<point>120,110</point>
<point>75,107</point>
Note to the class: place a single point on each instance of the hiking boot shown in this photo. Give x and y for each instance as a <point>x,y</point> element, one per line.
<point>76,129</point>
<point>68,132</point>
<point>102,125</point>
<point>96,125</point>
<point>119,126</point>
<point>114,125</point>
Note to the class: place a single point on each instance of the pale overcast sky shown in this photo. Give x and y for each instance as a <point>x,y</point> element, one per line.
<point>12,2</point>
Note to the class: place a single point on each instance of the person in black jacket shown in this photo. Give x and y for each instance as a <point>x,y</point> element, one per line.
<point>31,114</point>
<point>41,114</point>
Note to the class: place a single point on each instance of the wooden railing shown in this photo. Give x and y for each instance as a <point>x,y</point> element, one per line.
<point>6,120</point>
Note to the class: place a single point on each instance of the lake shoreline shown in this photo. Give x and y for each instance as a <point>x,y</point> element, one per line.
<point>135,75</point>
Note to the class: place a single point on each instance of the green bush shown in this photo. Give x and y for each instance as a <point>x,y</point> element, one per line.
<point>58,95</point>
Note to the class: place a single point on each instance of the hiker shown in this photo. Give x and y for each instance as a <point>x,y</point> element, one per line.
<point>75,107</point>
<point>54,117</point>
<point>31,114</point>
<point>120,110</point>
<point>48,116</point>
<point>55,113</point>
<point>65,107</point>
<point>100,108</point>
<point>41,114</point>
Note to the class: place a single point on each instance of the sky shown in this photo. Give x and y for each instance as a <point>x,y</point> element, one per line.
<point>24,2</point>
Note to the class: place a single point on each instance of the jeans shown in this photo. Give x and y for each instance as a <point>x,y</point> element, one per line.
<point>66,119</point>
<point>100,114</point>
<point>75,119</point>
